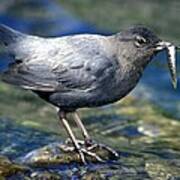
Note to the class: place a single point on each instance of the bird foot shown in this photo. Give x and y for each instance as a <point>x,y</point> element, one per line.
<point>91,145</point>
<point>83,152</point>
<point>89,148</point>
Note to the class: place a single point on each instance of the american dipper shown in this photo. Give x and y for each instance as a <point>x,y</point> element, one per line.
<point>77,71</point>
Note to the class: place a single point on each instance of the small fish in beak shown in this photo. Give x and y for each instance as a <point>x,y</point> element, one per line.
<point>171,52</point>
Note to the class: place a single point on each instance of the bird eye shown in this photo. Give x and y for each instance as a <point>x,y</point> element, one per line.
<point>140,41</point>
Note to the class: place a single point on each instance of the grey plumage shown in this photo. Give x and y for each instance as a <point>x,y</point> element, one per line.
<point>78,71</point>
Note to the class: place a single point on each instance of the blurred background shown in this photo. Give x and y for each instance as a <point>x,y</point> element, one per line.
<point>145,121</point>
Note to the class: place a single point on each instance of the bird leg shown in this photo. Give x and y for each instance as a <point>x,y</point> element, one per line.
<point>82,151</point>
<point>82,128</point>
<point>90,144</point>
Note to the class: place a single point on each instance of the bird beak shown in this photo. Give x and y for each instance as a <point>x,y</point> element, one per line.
<point>171,52</point>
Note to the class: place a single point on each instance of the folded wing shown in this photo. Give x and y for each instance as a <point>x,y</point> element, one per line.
<point>60,64</point>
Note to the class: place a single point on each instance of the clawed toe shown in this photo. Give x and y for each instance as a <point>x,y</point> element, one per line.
<point>88,150</point>
<point>84,153</point>
<point>91,145</point>
<point>102,146</point>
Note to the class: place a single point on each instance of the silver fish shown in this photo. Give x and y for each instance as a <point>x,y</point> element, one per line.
<point>171,51</point>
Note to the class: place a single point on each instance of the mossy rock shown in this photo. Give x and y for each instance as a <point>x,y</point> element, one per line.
<point>55,154</point>
<point>9,168</point>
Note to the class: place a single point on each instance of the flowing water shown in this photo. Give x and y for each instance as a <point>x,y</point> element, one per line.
<point>144,127</point>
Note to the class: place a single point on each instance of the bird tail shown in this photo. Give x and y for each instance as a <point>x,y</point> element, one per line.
<point>8,35</point>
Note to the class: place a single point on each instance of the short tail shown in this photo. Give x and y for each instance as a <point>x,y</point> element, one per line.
<point>8,35</point>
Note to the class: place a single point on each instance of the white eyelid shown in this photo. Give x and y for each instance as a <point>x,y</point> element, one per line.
<point>138,41</point>
<point>140,38</point>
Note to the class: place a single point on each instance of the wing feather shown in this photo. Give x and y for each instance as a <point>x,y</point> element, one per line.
<point>61,64</point>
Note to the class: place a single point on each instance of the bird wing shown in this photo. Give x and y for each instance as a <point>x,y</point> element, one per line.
<point>62,64</point>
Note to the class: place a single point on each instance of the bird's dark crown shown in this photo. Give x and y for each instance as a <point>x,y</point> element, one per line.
<point>141,31</point>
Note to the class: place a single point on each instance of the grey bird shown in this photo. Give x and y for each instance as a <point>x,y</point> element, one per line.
<point>78,71</point>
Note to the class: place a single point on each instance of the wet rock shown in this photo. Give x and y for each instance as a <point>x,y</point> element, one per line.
<point>59,154</point>
<point>45,176</point>
<point>9,168</point>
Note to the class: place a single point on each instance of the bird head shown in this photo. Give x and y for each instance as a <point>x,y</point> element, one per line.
<point>139,44</point>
